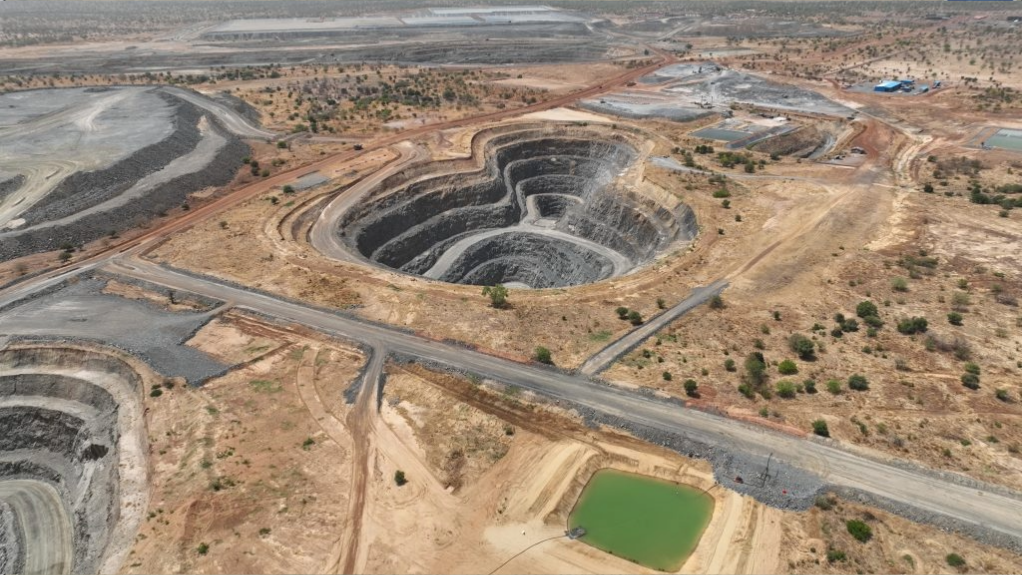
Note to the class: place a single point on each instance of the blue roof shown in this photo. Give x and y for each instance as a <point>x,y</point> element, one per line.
<point>889,84</point>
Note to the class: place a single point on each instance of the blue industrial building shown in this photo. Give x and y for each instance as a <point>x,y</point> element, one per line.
<point>889,86</point>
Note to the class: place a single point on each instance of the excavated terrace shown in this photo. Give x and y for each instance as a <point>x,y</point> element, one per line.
<point>550,207</point>
<point>73,474</point>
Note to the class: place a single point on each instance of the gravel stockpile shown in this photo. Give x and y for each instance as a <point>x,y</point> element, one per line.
<point>544,211</point>
<point>80,312</point>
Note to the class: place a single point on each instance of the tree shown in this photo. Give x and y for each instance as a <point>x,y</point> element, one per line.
<point>635,317</point>
<point>820,428</point>
<point>858,529</point>
<point>954,318</point>
<point>955,560</point>
<point>667,376</point>
<point>542,355</point>
<point>787,367</point>
<point>858,383</point>
<point>622,312</point>
<point>786,389</point>
<point>399,478</point>
<point>729,364</point>
<point>755,368</point>
<point>498,295</point>
<point>802,345</point>
<point>717,302</point>
<point>928,188</point>
<point>866,309</point>
<point>691,388</point>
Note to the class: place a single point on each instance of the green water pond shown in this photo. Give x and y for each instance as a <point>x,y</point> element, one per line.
<point>649,521</point>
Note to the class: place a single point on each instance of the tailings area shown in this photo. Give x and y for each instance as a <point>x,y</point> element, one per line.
<point>83,163</point>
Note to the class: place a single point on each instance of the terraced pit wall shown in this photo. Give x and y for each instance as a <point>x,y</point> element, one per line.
<point>546,209</point>
<point>66,416</point>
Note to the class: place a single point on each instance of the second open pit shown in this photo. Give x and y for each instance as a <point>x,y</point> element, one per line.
<point>73,473</point>
<point>551,206</point>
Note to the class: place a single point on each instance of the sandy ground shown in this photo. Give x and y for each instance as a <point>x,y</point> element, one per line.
<point>244,478</point>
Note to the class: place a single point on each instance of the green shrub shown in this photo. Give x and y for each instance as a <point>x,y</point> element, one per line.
<point>786,389</point>
<point>755,368</point>
<point>809,385</point>
<point>399,478</point>
<point>667,376</point>
<point>635,317</point>
<point>202,549</point>
<point>954,318</point>
<point>833,555</point>
<point>970,380</point>
<point>622,312</point>
<point>955,560</point>
<point>858,383</point>
<point>729,364</point>
<point>746,390</point>
<point>691,388</point>
<point>912,325</point>
<point>866,309</point>
<point>787,367</point>
<point>834,386</point>
<point>873,321</point>
<point>543,355</point>
<point>802,345</point>
<point>862,532</point>
<point>820,428</point>
<point>972,368</point>
<point>1002,394</point>
<point>899,284</point>
<point>497,294</point>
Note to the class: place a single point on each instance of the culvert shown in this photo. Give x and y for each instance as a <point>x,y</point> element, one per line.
<point>73,474</point>
<point>548,208</point>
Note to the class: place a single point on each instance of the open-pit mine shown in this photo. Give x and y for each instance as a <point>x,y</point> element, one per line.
<point>549,208</point>
<point>713,286</point>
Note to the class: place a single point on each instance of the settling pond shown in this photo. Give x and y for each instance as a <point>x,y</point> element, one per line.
<point>649,521</point>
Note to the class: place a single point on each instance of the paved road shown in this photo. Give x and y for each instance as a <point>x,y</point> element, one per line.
<point>44,521</point>
<point>608,355</point>
<point>837,466</point>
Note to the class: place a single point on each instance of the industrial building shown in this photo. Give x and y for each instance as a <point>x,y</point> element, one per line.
<point>889,86</point>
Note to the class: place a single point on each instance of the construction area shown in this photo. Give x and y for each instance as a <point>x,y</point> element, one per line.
<point>615,287</point>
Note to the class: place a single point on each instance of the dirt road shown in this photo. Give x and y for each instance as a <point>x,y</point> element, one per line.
<point>972,504</point>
